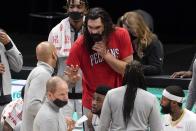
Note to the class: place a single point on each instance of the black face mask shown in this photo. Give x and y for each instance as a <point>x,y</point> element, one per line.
<point>59,102</point>
<point>166,109</point>
<point>96,37</point>
<point>133,37</point>
<point>75,15</point>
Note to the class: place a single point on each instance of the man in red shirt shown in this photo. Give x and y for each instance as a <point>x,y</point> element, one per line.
<point>102,53</point>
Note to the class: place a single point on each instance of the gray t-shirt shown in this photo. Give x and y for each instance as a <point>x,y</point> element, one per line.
<point>145,115</point>
<point>49,118</point>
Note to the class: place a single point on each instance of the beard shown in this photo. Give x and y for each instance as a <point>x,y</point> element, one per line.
<point>96,37</point>
<point>166,109</point>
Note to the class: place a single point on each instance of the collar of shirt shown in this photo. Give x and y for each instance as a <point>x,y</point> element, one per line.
<point>47,66</point>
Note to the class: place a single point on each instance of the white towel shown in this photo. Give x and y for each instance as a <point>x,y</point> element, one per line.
<point>60,36</point>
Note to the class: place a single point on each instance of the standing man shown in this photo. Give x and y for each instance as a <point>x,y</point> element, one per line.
<point>101,53</point>
<point>49,117</point>
<point>35,88</point>
<point>10,58</point>
<point>176,118</point>
<point>66,32</point>
<point>63,36</point>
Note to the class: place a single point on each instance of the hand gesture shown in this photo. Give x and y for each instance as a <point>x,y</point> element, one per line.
<point>72,73</point>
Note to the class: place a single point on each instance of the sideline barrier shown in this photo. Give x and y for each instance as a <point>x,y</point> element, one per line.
<point>155,85</point>
<point>162,81</point>
<point>17,86</point>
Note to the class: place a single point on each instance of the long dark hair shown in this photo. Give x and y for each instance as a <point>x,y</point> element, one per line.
<point>93,14</point>
<point>133,78</point>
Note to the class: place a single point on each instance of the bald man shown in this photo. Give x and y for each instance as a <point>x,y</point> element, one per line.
<point>35,88</point>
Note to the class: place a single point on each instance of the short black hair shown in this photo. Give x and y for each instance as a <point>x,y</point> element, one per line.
<point>175,90</point>
<point>102,89</point>
<point>71,1</point>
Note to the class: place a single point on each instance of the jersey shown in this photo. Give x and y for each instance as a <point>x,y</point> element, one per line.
<point>187,122</point>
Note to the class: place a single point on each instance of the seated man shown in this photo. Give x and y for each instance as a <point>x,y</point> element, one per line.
<point>97,102</point>
<point>176,118</point>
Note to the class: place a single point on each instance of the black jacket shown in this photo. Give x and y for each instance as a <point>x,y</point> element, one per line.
<point>152,60</point>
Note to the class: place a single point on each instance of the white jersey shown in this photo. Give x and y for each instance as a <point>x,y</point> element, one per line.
<point>187,122</point>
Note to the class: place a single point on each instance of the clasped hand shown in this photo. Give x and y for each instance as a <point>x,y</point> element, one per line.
<point>100,48</point>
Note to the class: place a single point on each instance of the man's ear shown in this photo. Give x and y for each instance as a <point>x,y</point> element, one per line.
<point>50,95</point>
<point>86,10</point>
<point>54,55</point>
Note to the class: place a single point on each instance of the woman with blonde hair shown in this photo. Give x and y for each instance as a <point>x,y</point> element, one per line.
<point>148,48</point>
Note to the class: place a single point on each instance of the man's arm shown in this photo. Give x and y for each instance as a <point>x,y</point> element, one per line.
<point>116,64</point>
<point>192,89</point>
<point>14,56</point>
<point>191,66</point>
<point>89,121</point>
<point>184,74</point>
<point>106,115</point>
<point>191,95</point>
<point>36,93</point>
